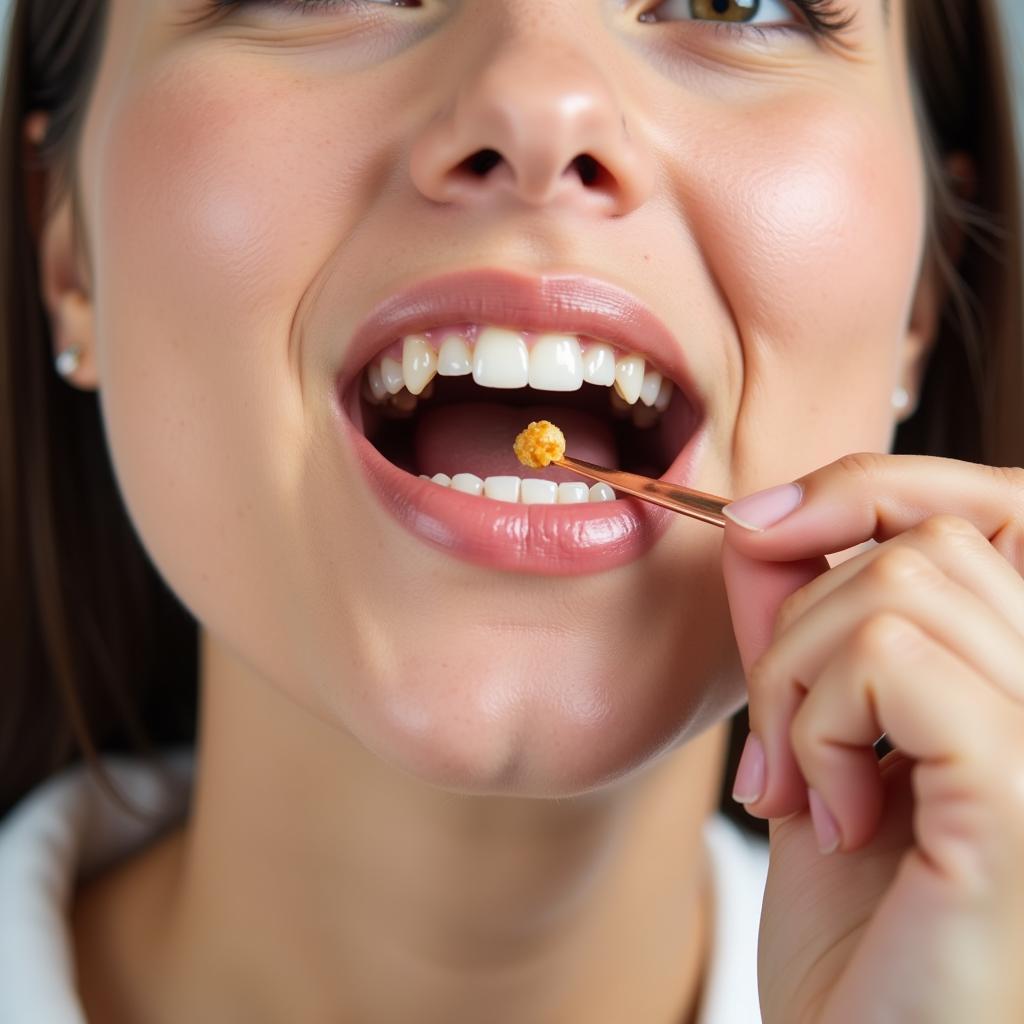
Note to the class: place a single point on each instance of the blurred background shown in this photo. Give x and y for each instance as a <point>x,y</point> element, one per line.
<point>1014,12</point>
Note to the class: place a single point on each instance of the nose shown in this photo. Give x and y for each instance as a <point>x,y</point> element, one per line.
<point>536,126</point>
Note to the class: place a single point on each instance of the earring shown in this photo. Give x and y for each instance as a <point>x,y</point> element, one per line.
<point>69,360</point>
<point>901,399</point>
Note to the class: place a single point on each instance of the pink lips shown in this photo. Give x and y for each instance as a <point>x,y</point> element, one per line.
<point>554,540</point>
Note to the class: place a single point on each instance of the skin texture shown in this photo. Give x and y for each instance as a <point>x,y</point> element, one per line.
<point>377,719</point>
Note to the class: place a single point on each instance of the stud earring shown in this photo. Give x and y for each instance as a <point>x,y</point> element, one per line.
<point>901,399</point>
<point>69,360</point>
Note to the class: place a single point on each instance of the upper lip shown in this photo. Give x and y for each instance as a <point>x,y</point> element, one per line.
<point>572,303</point>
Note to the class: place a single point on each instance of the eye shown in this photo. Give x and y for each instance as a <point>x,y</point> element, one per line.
<point>758,12</point>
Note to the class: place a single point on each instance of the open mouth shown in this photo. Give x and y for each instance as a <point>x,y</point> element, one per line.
<point>447,402</point>
<point>440,376</point>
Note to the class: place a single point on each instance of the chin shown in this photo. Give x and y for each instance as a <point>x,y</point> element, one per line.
<point>509,728</point>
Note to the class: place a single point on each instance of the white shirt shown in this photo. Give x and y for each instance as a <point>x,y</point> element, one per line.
<point>67,828</point>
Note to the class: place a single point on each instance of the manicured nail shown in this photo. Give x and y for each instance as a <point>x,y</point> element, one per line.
<point>765,508</point>
<point>750,773</point>
<point>825,827</point>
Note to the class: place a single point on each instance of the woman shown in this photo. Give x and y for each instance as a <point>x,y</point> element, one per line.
<point>457,758</point>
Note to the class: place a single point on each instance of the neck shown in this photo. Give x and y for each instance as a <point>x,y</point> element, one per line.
<point>313,882</point>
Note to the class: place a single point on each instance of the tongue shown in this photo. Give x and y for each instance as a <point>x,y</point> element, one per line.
<point>476,437</point>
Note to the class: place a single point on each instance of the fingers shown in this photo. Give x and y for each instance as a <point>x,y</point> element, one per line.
<point>954,546</point>
<point>921,638</point>
<point>869,495</point>
<point>904,581</point>
<point>893,676</point>
<point>767,598</point>
<point>900,584</point>
<point>755,590</point>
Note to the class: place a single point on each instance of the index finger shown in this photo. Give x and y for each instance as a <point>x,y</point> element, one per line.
<point>867,496</point>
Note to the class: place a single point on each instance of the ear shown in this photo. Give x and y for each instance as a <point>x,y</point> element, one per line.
<point>65,291</point>
<point>932,290</point>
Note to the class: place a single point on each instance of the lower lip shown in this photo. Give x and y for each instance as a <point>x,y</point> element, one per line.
<point>544,540</point>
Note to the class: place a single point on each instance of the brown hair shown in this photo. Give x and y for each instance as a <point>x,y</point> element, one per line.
<point>99,654</point>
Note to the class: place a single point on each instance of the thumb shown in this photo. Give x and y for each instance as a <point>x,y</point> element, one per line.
<point>756,590</point>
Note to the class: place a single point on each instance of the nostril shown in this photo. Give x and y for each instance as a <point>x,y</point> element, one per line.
<point>588,168</point>
<point>482,162</point>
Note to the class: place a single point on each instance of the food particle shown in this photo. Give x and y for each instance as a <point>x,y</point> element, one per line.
<point>539,444</point>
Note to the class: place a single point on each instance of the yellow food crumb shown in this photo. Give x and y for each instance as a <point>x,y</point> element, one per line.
<point>539,444</point>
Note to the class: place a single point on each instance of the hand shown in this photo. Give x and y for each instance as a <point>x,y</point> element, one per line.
<point>919,915</point>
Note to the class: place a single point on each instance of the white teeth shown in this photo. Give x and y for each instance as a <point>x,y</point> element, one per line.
<point>376,382</point>
<point>629,377</point>
<point>649,389</point>
<point>661,403</point>
<point>419,363</point>
<point>531,491</point>
<point>502,488</point>
<point>538,492</point>
<point>556,363</point>
<point>599,364</point>
<point>391,372</point>
<point>501,359</point>
<point>573,494</point>
<point>467,483</point>
<point>454,359</point>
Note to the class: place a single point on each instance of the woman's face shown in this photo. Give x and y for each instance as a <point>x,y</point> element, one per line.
<point>256,181</point>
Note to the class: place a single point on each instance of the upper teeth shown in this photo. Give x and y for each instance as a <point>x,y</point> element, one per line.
<point>501,358</point>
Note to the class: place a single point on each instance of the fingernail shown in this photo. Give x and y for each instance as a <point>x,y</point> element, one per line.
<point>765,508</point>
<point>825,827</point>
<point>750,773</point>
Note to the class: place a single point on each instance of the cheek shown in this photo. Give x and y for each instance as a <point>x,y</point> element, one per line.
<point>216,205</point>
<point>814,230</point>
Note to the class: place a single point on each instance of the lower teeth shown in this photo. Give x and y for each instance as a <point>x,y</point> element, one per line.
<point>531,491</point>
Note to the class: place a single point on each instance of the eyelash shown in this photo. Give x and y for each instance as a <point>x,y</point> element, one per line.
<point>824,17</point>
